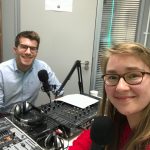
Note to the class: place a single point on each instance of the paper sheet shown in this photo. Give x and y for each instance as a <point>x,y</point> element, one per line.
<point>59,5</point>
<point>78,100</point>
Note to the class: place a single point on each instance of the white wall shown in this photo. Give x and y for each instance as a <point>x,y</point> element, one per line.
<point>8,28</point>
<point>65,38</point>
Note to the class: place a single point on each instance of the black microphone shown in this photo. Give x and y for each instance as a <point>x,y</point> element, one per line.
<point>102,132</point>
<point>43,77</point>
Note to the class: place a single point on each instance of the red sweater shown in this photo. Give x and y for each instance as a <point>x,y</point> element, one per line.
<point>83,141</point>
<point>124,136</point>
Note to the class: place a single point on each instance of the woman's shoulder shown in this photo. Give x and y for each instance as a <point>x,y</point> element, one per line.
<point>82,142</point>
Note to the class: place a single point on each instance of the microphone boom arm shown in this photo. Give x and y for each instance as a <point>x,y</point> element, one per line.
<point>77,65</point>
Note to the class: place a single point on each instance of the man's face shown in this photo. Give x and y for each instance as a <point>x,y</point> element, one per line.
<point>25,53</point>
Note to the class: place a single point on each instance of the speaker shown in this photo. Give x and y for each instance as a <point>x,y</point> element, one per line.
<point>28,114</point>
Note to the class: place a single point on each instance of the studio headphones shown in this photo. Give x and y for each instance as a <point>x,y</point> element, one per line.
<point>54,141</point>
<point>29,114</point>
<point>22,108</point>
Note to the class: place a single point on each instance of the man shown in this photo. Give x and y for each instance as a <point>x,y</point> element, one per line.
<point>19,80</point>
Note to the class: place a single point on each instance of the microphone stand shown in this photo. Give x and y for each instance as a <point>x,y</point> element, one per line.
<point>77,65</point>
<point>47,92</point>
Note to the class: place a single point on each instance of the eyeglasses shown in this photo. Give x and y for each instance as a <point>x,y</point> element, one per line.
<point>25,47</point>
<point>132,78</point>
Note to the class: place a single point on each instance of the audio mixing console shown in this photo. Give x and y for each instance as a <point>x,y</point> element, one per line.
<point>18,133</point>
<point>71,119</point>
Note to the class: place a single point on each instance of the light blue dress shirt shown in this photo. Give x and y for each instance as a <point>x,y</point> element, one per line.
<point>17,86</point>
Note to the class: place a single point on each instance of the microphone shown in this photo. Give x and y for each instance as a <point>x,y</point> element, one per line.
<point>102,132</point>
<point>43,77</point>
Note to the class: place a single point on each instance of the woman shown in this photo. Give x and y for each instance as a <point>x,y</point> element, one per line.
<point>126,97</point>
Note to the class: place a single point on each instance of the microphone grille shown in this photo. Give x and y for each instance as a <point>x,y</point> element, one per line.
<point>43,75</point>
<point>102,130</point>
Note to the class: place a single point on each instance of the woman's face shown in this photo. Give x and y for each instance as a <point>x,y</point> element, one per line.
<point>128,99</point>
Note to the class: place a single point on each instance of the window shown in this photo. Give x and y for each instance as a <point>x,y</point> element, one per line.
<point>116,22</point>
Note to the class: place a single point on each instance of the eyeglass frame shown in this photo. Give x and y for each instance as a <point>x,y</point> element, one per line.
<point>123,76</point>
<point>25,47</point>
